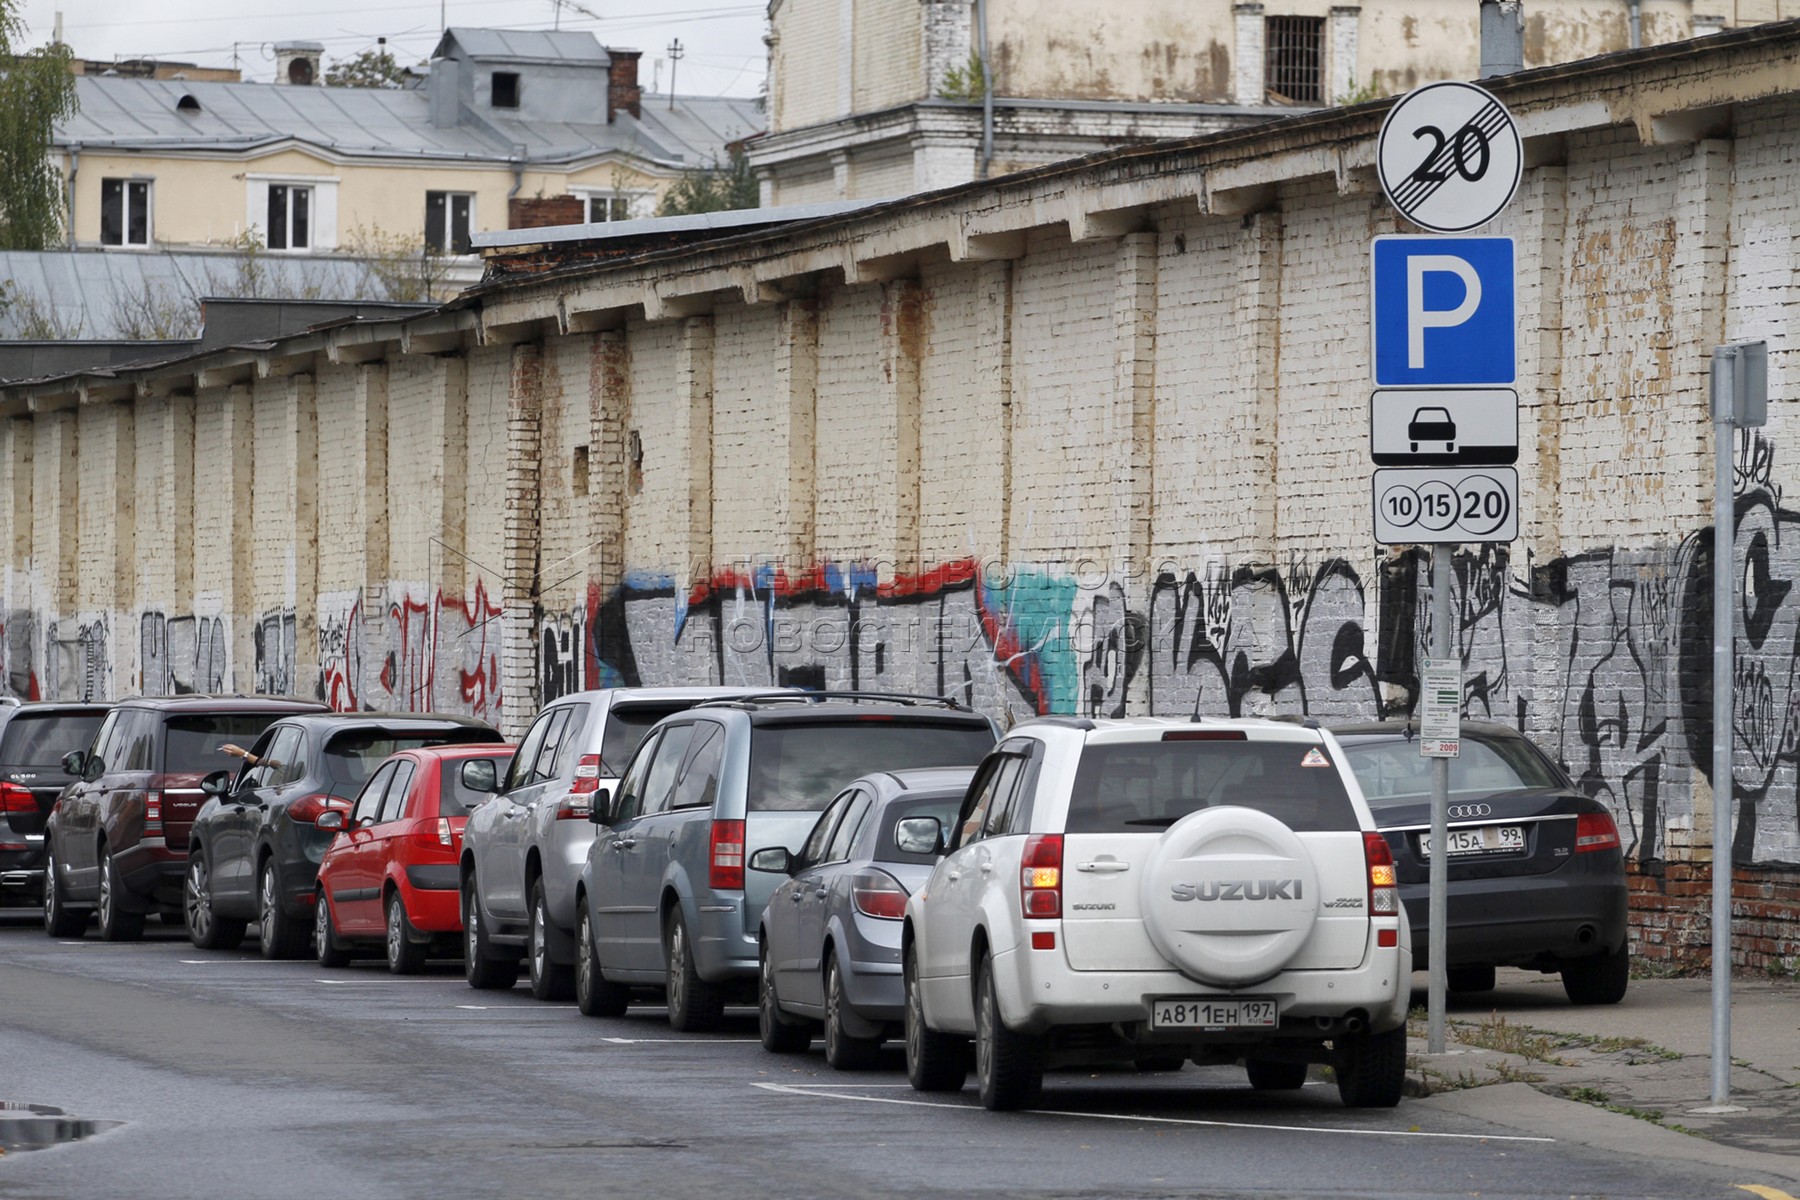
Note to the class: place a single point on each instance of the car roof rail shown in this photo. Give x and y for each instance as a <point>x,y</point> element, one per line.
<point>1304,720</point>
<point>1061,722</point>
<point>758,700</point>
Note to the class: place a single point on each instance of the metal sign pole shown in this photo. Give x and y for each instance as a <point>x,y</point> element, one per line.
<point>1437,936</point>
<point>1723,555</point>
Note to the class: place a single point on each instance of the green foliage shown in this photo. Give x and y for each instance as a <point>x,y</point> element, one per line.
<point>36,91</point>
<point>967,82</point>
<point>370,69</point>
<point>1362,95</point>
<point>713,189</point>
<point>396,267</point>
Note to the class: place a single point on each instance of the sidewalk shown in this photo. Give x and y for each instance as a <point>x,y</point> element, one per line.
<point>1626,1076</point>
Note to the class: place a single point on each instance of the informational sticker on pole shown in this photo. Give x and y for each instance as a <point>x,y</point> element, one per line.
<point>1440,708</point>
<point>1426,505</point>
<point>1449,157</point>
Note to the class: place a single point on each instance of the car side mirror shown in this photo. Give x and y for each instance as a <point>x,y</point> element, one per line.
<point>216,783</point>
<point>73,761</point>
<point>480,776</point>
<point>330,821</point>
<point>774,859</point>
<point>600,811</point>
<point>92,767</point>
<point>919,835</point>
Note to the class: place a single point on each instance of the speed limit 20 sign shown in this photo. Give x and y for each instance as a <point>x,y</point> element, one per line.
<point>1423,505</point>
<point>1449,157</point>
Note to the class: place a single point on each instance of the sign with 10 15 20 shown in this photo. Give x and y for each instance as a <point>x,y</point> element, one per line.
<point>1425,504</point>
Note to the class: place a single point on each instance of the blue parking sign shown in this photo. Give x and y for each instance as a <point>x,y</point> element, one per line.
<point>1444,311</point>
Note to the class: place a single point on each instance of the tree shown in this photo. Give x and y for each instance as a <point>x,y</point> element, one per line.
<point>370,69</point>
<point>713,189</point>
<point>36,91</point>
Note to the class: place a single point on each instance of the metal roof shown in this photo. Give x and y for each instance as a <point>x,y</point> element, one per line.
<point>723,223</point>
<point>522,45</point>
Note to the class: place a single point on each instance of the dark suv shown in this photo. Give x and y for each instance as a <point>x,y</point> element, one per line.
<point>116,843</point>
<point>254,852</point>
<point>33,740</point>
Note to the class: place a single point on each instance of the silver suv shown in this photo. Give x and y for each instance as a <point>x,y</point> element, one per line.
<point>664,899</point>
<point>1154,890</point>
<point>522,851</point>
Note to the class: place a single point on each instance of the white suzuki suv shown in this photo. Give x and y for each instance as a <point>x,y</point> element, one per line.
<point>1156,890</point>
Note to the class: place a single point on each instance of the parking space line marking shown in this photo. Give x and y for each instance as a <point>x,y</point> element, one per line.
<point>242,962</point>
<point>710,1041</point>
<point>805,1090</point>
<point>523,1008</point>
<point>1767,1193</point>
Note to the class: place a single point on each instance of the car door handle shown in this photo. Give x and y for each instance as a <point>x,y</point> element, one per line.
<point>624,843</point>
<point>822,893</point>
<point>1105,866</point>
<point>987,868</point>
<point>953,876</point>
<point>795,896</point>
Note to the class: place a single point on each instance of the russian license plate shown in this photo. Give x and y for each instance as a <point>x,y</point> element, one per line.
<point>1202,1013</point>
<point>1482,839</point>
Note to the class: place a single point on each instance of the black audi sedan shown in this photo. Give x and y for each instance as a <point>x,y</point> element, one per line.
<point>1537,871</point>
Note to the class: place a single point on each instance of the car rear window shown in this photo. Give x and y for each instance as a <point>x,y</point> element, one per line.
<point>191,741</point>
<point>944,808</point>
<point>1392,769</point>
<point>1137,787</point>
<point>799,767</point>
<point>626,725</point>
<point>352,756</point>
<point>41,739</point>
<point>455,800</point>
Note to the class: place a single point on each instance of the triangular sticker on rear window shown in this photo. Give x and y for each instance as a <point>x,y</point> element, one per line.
<point>1315,759</point>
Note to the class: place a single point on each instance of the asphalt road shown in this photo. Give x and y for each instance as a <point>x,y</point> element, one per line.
<point>235,1077</point>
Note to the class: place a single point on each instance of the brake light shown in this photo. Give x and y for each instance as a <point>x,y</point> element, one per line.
<point>307,809</point>
<point>587,777</point>
<point>1384,890</point>
<point>1204,735</point>
<point>1040,876</point>
<point>1595,831</point>
<point>16,799</point>
<point>575,808</point>
<point>727,855</point>
<point>153,826</point>
<point>445,835</point>
<point>878,894</point>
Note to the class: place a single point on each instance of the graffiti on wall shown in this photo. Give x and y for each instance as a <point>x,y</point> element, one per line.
<point>425,651</point>
<point>274,638</point>
<point>182,656</point>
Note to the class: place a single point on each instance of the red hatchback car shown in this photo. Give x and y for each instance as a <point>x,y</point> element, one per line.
<point>390,876</point>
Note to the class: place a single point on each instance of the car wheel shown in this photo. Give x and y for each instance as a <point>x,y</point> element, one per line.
<point>282,936</point>
<point>550,980</point>
<point>205,928</point>
<point>1009,1066</point>
<point>330,950</point>
<point>1269,1075</point>
<point>594,996</point>
<point>1470,979</point>
<point>481,967</point>
<point>935,1062</point>
<point>781,1034</point>
<point>1598,980</point>
<point>116,925</point>
<point>842,1051</point>
<point>1371,1068</point>
<point>404,955</point>
<point>695,1006</point>
<point>60,921</point>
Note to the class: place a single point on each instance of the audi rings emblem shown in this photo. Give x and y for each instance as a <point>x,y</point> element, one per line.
<point>1462,812</point>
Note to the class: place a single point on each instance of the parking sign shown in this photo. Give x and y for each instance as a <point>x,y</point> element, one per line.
<point>1443,311</point>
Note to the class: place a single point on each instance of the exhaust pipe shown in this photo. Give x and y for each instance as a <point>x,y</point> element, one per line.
<point>1586,934</point>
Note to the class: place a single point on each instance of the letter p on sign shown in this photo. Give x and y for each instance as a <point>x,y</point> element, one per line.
<point>1444,311</point>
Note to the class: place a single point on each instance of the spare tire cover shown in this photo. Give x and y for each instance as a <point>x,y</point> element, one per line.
<point>1229,896</point>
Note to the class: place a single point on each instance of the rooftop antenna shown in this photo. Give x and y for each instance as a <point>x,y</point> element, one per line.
<point>675,53</point>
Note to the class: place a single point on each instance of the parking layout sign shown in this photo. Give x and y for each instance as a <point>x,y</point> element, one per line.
<point>1446,504</point>
<point>1443,311</point>
<point>1444,427</point>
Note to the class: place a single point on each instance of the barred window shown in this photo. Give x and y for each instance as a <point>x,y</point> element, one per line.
<point>1294,66</point>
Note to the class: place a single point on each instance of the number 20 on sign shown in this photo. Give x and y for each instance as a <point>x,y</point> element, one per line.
<point>1425,505</point>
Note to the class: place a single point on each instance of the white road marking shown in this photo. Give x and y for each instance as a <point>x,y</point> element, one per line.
<point>807,1090</point>
<point>710,1041</point>
<point>261,962</point>
<point>521,1008</point>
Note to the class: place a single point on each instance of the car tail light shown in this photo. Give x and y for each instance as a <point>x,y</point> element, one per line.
<point>1204,735</point>
<point>153,826</point>
<point>727,855</point>
<point>1384,890</point>
<point>446,835</point>
<point>16,799</point>
<point>1595,831</point>
<point>306,809</point>
<point>1040,876</point>
<point>575,808</point>
<point>587,777</point>
<point>878,894</point>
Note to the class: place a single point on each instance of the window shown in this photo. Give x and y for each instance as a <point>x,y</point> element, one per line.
<point>290,217</point>
<point>41,739</point>
<point>1294,66</point>
<point>626,725</point>
<point>607,206</point>
<point>281,760</point>
<point>631,788</point>
<point>393,806</point>
<point>124,212</point>
<point>506,89</point>
<point>578,472</point>
<point>545,770</point>
<point>455,799</point>
<point>527,757</point>
<point>191,743</point>
<point>848,828</point>
<point>659,787</point>
<point>369,802</point>
<point>1142,787</point>
<point>699,784</point>
<point>993,792</point>
<point>814,849</point>
<point>104,742</point>
<point>352,755</point>
<point>792,765</point>
<point>137,742</point>
<point>447,221</point>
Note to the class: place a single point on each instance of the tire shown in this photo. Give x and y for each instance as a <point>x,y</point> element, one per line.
<point>116,925</point>
<point>331,952</point>
<point>550,980</point>
<point>1598,980</point>
<point>1470,979</point>
<point>781,1034</point>
<point>1268,1075</point>
<point>1371,1068</point>
<point>480,966</point>
<point>594,996</point>
<point>205,928</point>
<point>282,936</point>
<point>404,955</point>
<point>59,920</point>
<point>695,1006</point>
<point>1009,1066</point>
<point>842,1051</point>
<point>935,1062</point>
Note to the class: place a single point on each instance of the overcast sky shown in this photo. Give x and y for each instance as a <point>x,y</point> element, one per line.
<point>722,39</point>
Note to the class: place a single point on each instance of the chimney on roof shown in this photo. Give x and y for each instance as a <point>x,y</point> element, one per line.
<point>623,92</point>
<point>298,63</point>
<point>443,90</point>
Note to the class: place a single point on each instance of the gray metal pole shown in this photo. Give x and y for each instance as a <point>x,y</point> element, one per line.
<point>1724,537</point>
<point>1437,936</point>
